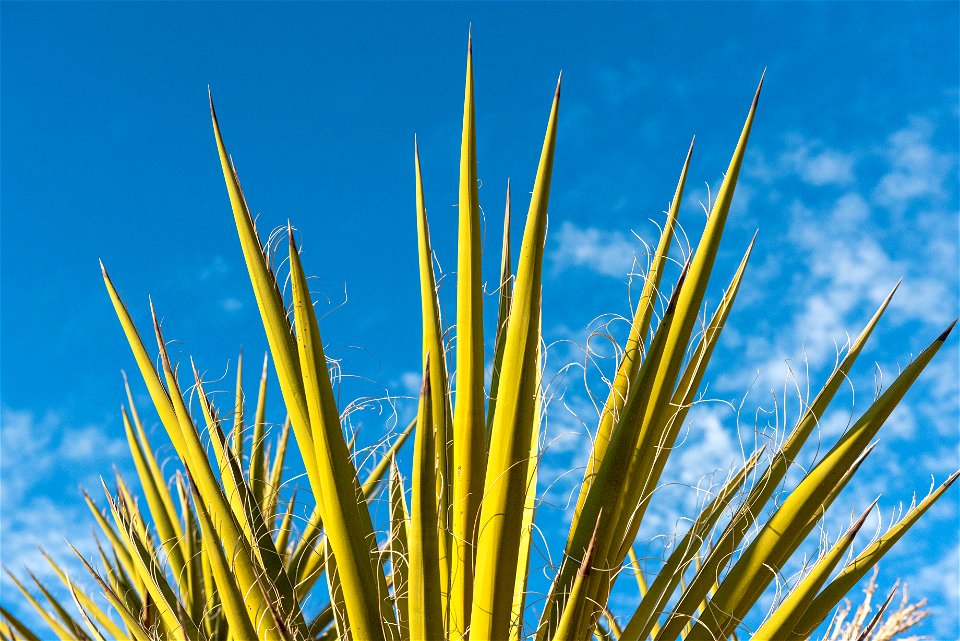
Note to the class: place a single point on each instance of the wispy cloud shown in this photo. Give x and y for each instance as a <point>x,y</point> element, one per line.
<point>42,455</point>
<point>609,253</point>
<point>856,219</point>
<point>942,576</point>
<point>918,170</point>
<point>815,163</point>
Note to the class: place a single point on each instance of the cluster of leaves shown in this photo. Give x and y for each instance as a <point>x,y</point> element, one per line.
<point>223,561</point>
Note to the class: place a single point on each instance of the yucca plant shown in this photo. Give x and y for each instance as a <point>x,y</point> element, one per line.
<point>215,553</point>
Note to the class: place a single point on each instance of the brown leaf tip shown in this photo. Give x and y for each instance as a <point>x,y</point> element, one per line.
<point>672,305</point>
<point>855,528</point>
<point>943,337</point>
<point>756,96</point>
<point>693,139</point>
<point>213,111</point>
<point>292,241</point>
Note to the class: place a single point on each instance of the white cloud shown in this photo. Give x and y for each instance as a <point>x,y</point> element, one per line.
<point>231,304</point>
<point>917,169</point>
<point>709,445</point>
<point>608,253</point>
<point>858,219</point>
<point>38,450</point>
<point>409,383</point>
<point>44,459</point>
<point>897,216</point>
<point>941,578</point>
<point>217,267</point>
<point>816,164</point>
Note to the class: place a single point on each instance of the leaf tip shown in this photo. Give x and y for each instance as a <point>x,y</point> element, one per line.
<point>943,337</point>
<point>672,305</point>
<point>756,96</point>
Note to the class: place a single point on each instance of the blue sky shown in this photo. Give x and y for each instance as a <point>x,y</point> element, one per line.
<point>851,178</point>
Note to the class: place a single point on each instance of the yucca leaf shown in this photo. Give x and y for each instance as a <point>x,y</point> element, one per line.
<point>229,593</point>
<point>576,605</point>
<point>755,569</point>
<point>398,547</point>
<point>270,302</point>
<point>637,572</point>
<point>603,633</point>
<point>275,583</point>
<point>182,433</point>
<point>156,473</point>
<point>193,596</point>
<point>376,474</point>
<point>526,527</point>
<point>469,430</point>
<point>83,613</point>
<point>689,612</point>
<point>132,623</point>
<point>121,573</point>
<point>693,373</point>
<point>658,433</point>
<point>63,632</point>
<point>824,602</point>
<point>780,624</point>
<point>632,354</point>
<point>612,627</point>
<point>503,314</point>
<point>321,622</point>
<point>120,551</point>
<point>149,571</point>
<point>257,471</point>
<point>685,394</point>
<point>311,568</point>
<point>764,488</point>
<point>214,621</point>
<point>158,393</point>
<point>102,617</point>
<point>439,402</point>
<point>132,509</point>
<point>654,599</point>
<point>335,589</point>
<point>236,541</point>
<point>641,586</point>
<point>170,537</point>
<point>630,515</point>
<point>607,489</point>
<point>69,623</point>
<point>423,593</point>
<point>18,626</point>
<point>234,489</point>
<point>286,526</point>
<point>272,492</point>
<point>307,555</point>
<point>237,431</point>
<point>501,513</point>
<point>346,520</point>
